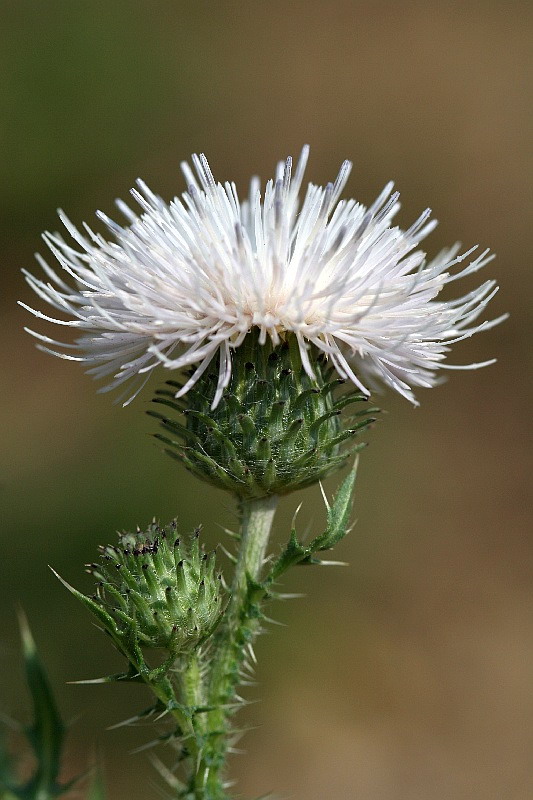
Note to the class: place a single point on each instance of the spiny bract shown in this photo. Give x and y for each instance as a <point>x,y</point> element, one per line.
<point>275,429</point>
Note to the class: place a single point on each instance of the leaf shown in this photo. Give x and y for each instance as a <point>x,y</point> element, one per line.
<point>338,515</point>
<point>46,736</point>
<point>47,732</point>
<point>338,519</point>
<point>294,553</point>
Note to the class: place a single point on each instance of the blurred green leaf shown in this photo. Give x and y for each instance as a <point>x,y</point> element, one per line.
<point>46,736</point>
<point>47,732</point>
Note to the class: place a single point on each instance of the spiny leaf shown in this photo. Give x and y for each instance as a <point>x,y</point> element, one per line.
<point>338,518</point>
<point>47,732</point>
<point>338,515</point>
<point>45,735</point>
<point>294,552</point>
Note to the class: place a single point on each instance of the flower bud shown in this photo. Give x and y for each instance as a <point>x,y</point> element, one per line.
<point>275,429</point>
<point>160,588</point>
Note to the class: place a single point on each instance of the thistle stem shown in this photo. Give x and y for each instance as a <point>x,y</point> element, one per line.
<point>256,523</point>
<point>238,630</point>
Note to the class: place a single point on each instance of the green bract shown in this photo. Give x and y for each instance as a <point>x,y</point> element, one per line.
<point>275,429</point>
<point>159,589</point>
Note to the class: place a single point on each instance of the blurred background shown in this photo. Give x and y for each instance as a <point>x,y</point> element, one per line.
<point>407,675</point>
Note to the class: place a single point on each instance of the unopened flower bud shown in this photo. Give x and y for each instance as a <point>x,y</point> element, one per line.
<point>160,587</point>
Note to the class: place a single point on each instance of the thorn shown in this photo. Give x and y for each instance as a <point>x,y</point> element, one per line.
<point>230,533</point>
<point>251,652</point>
<point>275,621</point>
<point>166,773</point>
<point>324,497</point>
<point>236,706</point>
<point>130,721</point>
<point>148,745</point>
<point>89,681</point>
<point>293,524</point>
<point>229,555</point>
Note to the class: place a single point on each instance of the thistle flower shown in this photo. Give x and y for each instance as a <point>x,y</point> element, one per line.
<point>187,281</point>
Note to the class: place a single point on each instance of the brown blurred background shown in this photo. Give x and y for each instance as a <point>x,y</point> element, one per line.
<point>406,676</point>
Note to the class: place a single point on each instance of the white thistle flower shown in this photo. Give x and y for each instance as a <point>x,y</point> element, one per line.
<point>187,280</point>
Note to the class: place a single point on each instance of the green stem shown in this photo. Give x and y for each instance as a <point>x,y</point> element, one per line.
<point>239,630</point>
<point>193,684</point>
<point>206,735</point>
<point>164,690</point>
<point>256,523</point>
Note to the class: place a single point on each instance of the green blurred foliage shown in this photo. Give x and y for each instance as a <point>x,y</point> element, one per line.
<point>405,675</point>
<point>45,737</point>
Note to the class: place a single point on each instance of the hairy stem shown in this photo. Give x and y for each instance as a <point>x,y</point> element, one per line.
<point>200,692</point>
<point>229,647</point>
<point>256,523</point>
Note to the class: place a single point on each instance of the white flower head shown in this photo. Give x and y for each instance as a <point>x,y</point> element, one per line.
<point>185,281</point>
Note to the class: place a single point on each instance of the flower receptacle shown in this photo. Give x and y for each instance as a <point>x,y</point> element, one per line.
<point>275,430</point>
